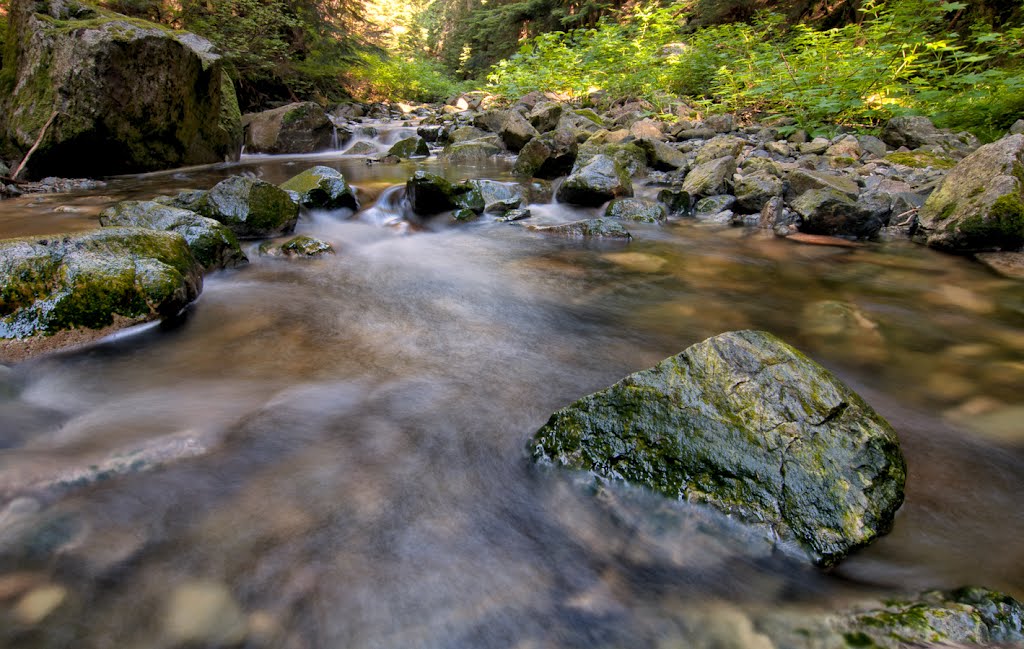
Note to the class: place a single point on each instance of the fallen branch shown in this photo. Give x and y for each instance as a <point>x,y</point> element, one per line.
<point>35,146</point>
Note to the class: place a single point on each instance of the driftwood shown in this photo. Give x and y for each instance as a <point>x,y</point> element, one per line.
<point>35,146</point>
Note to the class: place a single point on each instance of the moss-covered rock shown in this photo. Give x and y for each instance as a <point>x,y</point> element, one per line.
<point>321,187</point>
<point>410,147</point>
<point>549,155</point>
<point>830,212</point>
<point>300,246</point>
<point>76,287</point>
<point>596,182</point>
<point>587,229</point>
<point>637,209</point>
<point>804,180</point>
<point>661,156</point>
<point>755,189</point>
<point>213,243</point>
<point>478,150</point>
<point>429,193</point>
<point>124,95</point>
<point>710,178</point>
<point>629,155</point>
<point>302,127</point>
<point>980,204</point>
<point>720,146</point>
<point>252,208</point>
<point>747,424</point>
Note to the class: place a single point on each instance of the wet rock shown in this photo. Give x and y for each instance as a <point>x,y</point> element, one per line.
<point>516,215</point>
<point>410,147</point>
<point>676,201</point>
<point>843,328</point>
<point>300,246</point>
<point>431,132</point>
<point>431,194</point>
<point>361,148</point>
<point>803,180</point>
<point>68,289</point>
<point>213,243</point>
<point>1007,264</point>
<point>471,150</point>
<point>589,228</point>
<point>252,208</point>
<point>321,187</point>
<point>466,133</point>
<point>755,189</point>
<point>628,155</point>
<point>204,614</point>
<point>498,197</point>
<point>979,206</point>
<point>595,183</point>
<point>719,147</point>
<point>545,115</point>
<point>549,155</point>
<point>302,127</point>
<point>710,178</point>
<point>39,603</point>
<point>133,96</point>
<point>745,423</point>
<point>829,212</point>
<point>710,206</point>
<point>636,209</point>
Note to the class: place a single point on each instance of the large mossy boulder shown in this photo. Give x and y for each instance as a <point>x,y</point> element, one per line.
<point>111,94</point>
<point>430,194</point>
<point>252,208</point>
<point>67,289</point>
<point>547,156</point>
<point>747,424</point>
<point>302,127</point>
<point>832,213</point>
<point>321,187</point>
<point>979,205</point>
<point>410,147</point>
<point>595,183</point>
<point>213,243</point>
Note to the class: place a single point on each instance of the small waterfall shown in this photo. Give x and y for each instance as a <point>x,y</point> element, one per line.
<point>335,144</point>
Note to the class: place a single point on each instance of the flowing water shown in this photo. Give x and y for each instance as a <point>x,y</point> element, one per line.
<point>332,452</point>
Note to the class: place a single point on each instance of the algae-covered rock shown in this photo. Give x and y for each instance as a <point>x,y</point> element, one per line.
<point>300,246</point>
<point>410,147</point>
<point>322,187</point>
<point>637,209</point>
<point>980,204</point>
<point>213,243</point>
<point>114,94</point>
<point>755,189</point>
<point>743,422</point>
<point>598,181</point>
<point>478,150</point>
<point>588,228</point>
<point>74,288</point>
<point>302,127</point>
<point>710,178</point>
<point>975,616</point>
<point>252,208</point>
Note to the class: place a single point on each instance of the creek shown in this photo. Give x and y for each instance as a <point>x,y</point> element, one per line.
<point>340,443</point>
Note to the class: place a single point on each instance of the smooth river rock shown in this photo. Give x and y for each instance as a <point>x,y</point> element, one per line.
<point>747,424</point>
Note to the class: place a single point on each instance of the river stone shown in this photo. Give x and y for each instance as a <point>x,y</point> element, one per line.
<point>252,208</point>
<point>74,288</point>
<point>911,131</point>
<point>676,201</point>
<point>662,157</point>
<point>321,187</point>
<point>410,147</point>
<point>720,146</point>
<point>829,212</point>
<point>637,209</point>
<point>465,134</point>
<point>588,228</point>
<point>429,193</point>
<point>545,115</point>
<point>127,95</point>
<point>302,127</point>
<point>515,131</point>
<point>710,178</point>
<point>300,246</point>
<point>595,183</point>
<point>203,613</point>
<point>802,180</point>
<point>629,156</point>
<point>755,189</point>
<point>477,150</point>
<point>361,148</point>
<point>213,243</point>
<point>743,422</point>
<point>549,155</point>
<point>980,204</point>
<point>498,197</point>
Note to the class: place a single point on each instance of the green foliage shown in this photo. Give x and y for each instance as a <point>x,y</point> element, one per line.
<point>396,78</point>
<point>900,57</point>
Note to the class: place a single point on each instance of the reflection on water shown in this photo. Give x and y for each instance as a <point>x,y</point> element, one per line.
<point>331,453</point>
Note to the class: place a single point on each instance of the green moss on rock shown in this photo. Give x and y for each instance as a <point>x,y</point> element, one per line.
<point>251,208</point>
<point>322,187</point>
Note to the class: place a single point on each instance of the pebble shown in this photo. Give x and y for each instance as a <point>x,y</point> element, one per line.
<point>39,603</point>
<point>204,613</point>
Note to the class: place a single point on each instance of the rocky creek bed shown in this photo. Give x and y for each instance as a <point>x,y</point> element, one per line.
<point>327,447</point>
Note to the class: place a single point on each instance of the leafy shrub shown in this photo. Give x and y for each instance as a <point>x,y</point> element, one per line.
<point>379,78</point>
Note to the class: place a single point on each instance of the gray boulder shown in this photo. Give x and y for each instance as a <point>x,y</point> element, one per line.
<point>637,209</point>
<point>749,425</point>
<point>714,177</point>
<point>477,150</point>
<point>111,94</point>
<point>549,155</point>
<point>545,115</point>
<point>720,147</point>
<point>213,243</point>
<point>980,204</point>
<point>432,194</point>
<point>515,131</point>
<point>68,289</point>
<point>302,127</point>
<point>252,208</point>
<point>911,131</point>
<point>829,212</point>
<point>628,155</point>
<point>596,183</point>
<point>802,180</point>
<point>410,147</point>
<point>756,189</point>
<point>301,246</point>
<point>321,187</point>
<point>661,156</point>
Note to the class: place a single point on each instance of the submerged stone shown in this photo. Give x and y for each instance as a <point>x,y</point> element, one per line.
<point>589,228</point>
<point>637,209</point>
<point>322,187</point>
<point>213,243</point>
<point>300,246</point>
<point>252,208</point>
<point>749,425</point>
